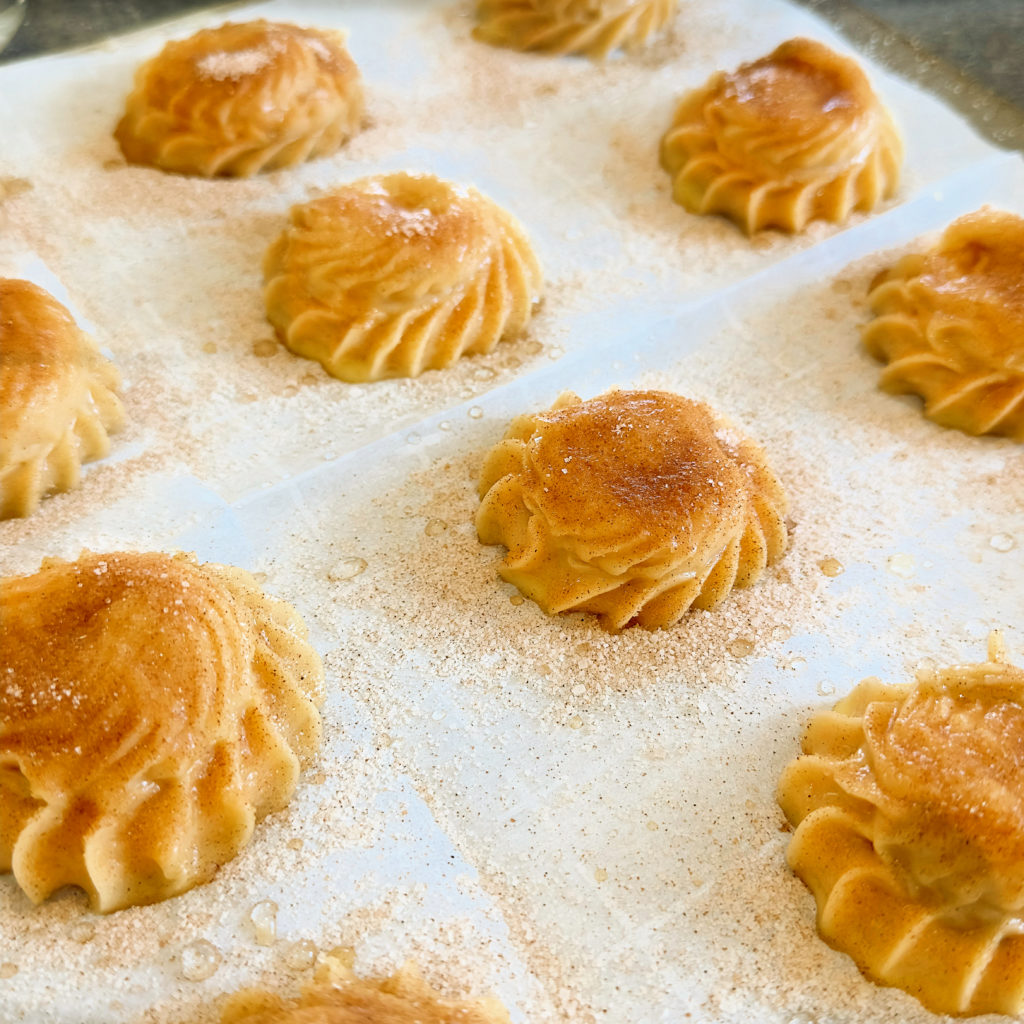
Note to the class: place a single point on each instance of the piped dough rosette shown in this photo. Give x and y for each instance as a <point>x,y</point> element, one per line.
<point>396,274</point>
<point>591,27</point>
<point>950,325</point>
<point>633,506</point>
<point>338,996</point>
<point>910,833</point>
<point>58,398</point>
<point>242,98</point>
<point>152,710</point>
<point>793,137</point>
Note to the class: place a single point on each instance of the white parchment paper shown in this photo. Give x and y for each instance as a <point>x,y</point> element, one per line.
<point>583,824</point>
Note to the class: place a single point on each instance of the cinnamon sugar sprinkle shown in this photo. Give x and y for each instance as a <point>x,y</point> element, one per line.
<point>583,824</point>
<point>238,64</point>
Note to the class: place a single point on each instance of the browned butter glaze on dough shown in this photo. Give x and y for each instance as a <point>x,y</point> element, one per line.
<point>37,335</point>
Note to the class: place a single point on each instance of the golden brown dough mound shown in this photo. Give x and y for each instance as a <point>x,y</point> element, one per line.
<point>591,27</point>
<point>950,324</point>
<point>910,816</point>
<point>241,99</point>
<point>338,996</point>
<point>634,506</point>
<point>58,400</point>
<point>396,274</point>
<point>793,137</point>
<point>152,710</point>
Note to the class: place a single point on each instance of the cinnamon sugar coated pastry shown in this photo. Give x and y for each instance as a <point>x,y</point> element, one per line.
<point>634,506</point>
<point>241,99</point>
<point>950,324</point>
<point>796,136</point>
<point>152,710</point>
<point>591,27</point>
<point>396,274</point>
<point>338,996</point>
<point>58,398</point>
<point>910,832</point>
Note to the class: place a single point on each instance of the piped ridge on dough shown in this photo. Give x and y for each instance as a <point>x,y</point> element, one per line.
<point>793,137</point>
<point>634,506</point>
<point>591,27</point>
<point>950,325</point>
<point>338,996</point>
<point>910,832</point>
<point>152,711</point>
<point>242,99</point>
<point>58,398</point>
<point>396,274</point>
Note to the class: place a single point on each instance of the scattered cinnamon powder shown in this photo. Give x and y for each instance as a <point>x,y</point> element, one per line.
<point>486,764</point>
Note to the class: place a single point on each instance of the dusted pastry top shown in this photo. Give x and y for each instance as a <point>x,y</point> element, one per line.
<point>151,710</point>
<point>395,274</point>
<point>635,463</point>
<point>946,765</point>
<point>910,832</point>
<point>974,275</point>
<point>67,632</point>
<point>799,109</point>
<point>338,996</point>
<point>232,60</point>
<point>242,98</point>
<point>591,27</point>
<point>633,506</point>
<point>58,398</point>
<point>405,237</point>
<point>42,356</point>
<point>796,136</point>
<point>950,324</point>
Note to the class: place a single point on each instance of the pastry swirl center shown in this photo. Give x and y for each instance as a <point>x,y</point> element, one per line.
<point>643,462</point>
<point>948,763</point>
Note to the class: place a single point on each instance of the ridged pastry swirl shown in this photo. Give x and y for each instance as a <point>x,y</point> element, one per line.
<point>58,401</point>
<point>910,833</point>
<point>633,506</point>
<point>950,324</point>
<point>793,137</point>
<point>338,996</point>
<point>591,27</point>
<point>152,710</point>
<point>393,275</point>
<point>241,99</point>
